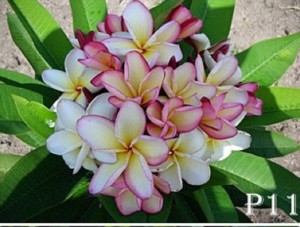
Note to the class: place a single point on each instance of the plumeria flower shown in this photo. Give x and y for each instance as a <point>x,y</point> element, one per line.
<point>171,118</point>
<point>124,140</point>
<point>137,83</point>
<point>182,164</point>
<point>223,73</point>
<point>200,42</point>
<point>219,118</point>
<point>75,82</point>
<point>157,48</point>
<point>188,25</point>
<point>66,141</point>
<point>128,203</point>
<point>181,83</point>
<point>217,150</point>
<point>98,57</point>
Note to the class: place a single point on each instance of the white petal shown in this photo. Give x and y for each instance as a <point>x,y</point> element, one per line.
<point>105,157</point>
<point>194,172</point>
<point>240,142</point>
<point>73,67</point>
<point>82,156</point>
<point>69,113</point>
<point>62,142</point>
<point>173,176</point>
<point>107,174</point>
<point>100,106</point>
<point>190,142</point>
<point>58,80</point>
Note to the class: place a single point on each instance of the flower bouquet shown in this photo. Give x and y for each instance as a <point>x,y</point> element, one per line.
<point>148,116</point>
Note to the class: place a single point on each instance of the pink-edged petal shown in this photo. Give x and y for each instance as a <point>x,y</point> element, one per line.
<point>184,74</point>
<point>150,96</point>
<point>98,132</point>
<point>152,80</point>
<point>93,48</point>
<point>186,118</point>
<point>113,23</point>
<point>227,131</point>
<point>154,130</point>
<point>169,131</point>
<point>231,111</point>
<point>62,142</point>
<point>127,202</point>
<point>151,57</point>
<point>139,22</point>
<point>173,176</point>
<point>82,156</point>
<point>222,71</point>
<point>69,113</point>
<point>170,106</point>
<point>250,86</point>
<point>154,204</point>
<point>114,82</point>
<point>107,174</point>
<point>200,72</point>
<point>101,106</point>
<point>154,150</point>
<point>100,36</point>
<point>190,27</point>
<point>200,42</point>
<point>240,142</point>
<point>193,171</point>
<point>73,67</point>
<point>237,95</point>
<point>200,90</point>
<point>58,80</point>
<point>85,80</point>
<point>161,184</point>
<point>115,101</point>
<point>190,142</point>
<point>138,176</point>
<point>166,33</point>
<point>166,52</point>
<point>136,68</point>
<point>215,124</point>
<point>180,14</point>
<point>168,82</point>
<point>154,113</point>
<point>254,106</point>
<point>119,46</point>
<point>130,122</point>
<point>105,157</point>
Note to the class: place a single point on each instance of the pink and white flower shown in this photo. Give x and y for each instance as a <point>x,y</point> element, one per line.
<point>123,142</point>
<point>182,164</point>
<point>75,81</point>
<point>157,48</point>
<point>66,141</point>
<point>137,83</point>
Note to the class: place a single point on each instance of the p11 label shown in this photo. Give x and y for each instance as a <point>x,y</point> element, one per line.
<point>256,200</point>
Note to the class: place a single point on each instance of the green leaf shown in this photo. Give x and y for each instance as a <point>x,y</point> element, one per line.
<point>266,61</point>
<point>23,81</point>
<point>270,144</point>
<point>32,139</point>
<point>36,116</point>
<point>23,40</point>
<point>36,183</point>
<point>216,16</point>
<point>279,104</point>
<point>252,174</point>
<point>87,14</point>
<point>48,37</point>
<point>10,122</point>
<point>7,161</point>
<point>161,11</point>
<point>217,205</point>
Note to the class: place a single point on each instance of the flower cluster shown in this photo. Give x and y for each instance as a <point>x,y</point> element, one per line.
<point>138,118</point>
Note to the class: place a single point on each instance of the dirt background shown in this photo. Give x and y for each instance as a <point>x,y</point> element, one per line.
<point>253,21</point>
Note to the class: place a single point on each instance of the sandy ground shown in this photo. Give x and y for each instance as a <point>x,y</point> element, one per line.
<point>253,21</point>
